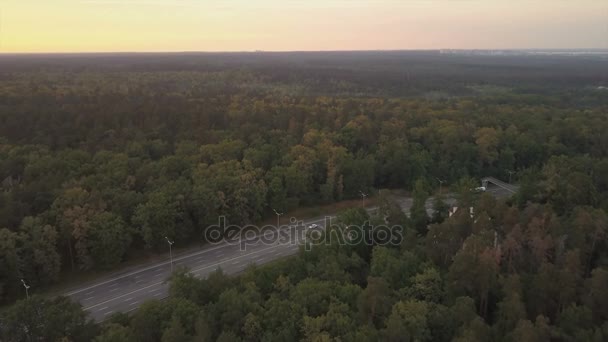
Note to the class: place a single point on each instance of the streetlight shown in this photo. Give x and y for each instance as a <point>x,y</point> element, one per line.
<point>510,174</point>
<point>27,294</point>
<point>278,217</point>
<point>440,184</point>
<point>363,195</point>
<point>170,253</point>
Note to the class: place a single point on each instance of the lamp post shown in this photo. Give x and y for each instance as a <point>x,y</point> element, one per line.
<point>278,217</point>
<point>27,294</point>
<point>363,195</point>
<point>440,184</point>
<point>170,252</point>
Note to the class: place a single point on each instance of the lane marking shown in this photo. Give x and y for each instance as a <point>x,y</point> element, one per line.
<point>168,262</point>
<point>227,260</point>
<point>89,298</point>
<point>114,289</point>
<point>124,295</point>
<point>108,313</point>
<point>191,271</point>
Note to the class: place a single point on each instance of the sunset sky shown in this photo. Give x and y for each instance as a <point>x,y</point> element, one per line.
<point>238,25</point>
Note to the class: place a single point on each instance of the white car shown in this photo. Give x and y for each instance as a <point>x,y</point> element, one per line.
<point>480,189</point>
<point>313,226</point>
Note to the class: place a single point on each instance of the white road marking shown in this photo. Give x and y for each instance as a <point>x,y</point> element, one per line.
<point>114,289</point>
<point>167,263</point>
<point>192,271</point>
<point>89,298</point>
<point>105,307</point>
<point>108,313</point>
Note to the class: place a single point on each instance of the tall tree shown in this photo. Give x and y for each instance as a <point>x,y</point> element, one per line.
<point>109,239</point>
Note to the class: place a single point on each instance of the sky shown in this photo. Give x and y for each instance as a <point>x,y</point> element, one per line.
<point>288,25</point>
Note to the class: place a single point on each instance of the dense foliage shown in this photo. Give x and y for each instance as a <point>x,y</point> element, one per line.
<point>505,274</point>
<point>103,156</point>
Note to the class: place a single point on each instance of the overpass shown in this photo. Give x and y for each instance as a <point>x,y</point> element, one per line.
<point>509,187</point>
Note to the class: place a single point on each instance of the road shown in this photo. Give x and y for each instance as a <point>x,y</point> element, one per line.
<point>126,291</point>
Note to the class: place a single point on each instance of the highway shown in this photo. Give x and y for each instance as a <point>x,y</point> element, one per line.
<point>126,291</point>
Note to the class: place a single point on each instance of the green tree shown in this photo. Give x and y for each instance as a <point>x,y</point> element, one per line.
<point>109,239</point>
<point>427,286</point>
<point>150,320</point>
<point>474,271</point>
<point>596,296</point>
<point>228,336</point>
<point>418,212</point>
<point>393,267</point>
<point>175,333</point>
<point>511,309</point>
<point>375,301</point>
<point>115,333</point>
<point>156,219</point>
<point>40,261</point>
<point>252,328</point>
<point>39,318</point>
<point>9,264</point>
<point>440,209</point>
<point>73,210</point>
<point>527,331</point>
<point>408,322</point>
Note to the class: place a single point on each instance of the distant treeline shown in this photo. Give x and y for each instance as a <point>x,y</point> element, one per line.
<point>101,156</point>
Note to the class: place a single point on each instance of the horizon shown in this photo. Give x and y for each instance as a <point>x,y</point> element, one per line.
<point>158,26</point>
<point>602,50</point>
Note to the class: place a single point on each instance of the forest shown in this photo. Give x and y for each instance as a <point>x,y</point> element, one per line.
<point>102,156</point>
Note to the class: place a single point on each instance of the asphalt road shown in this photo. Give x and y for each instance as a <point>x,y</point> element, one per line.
<point>126,291</point>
